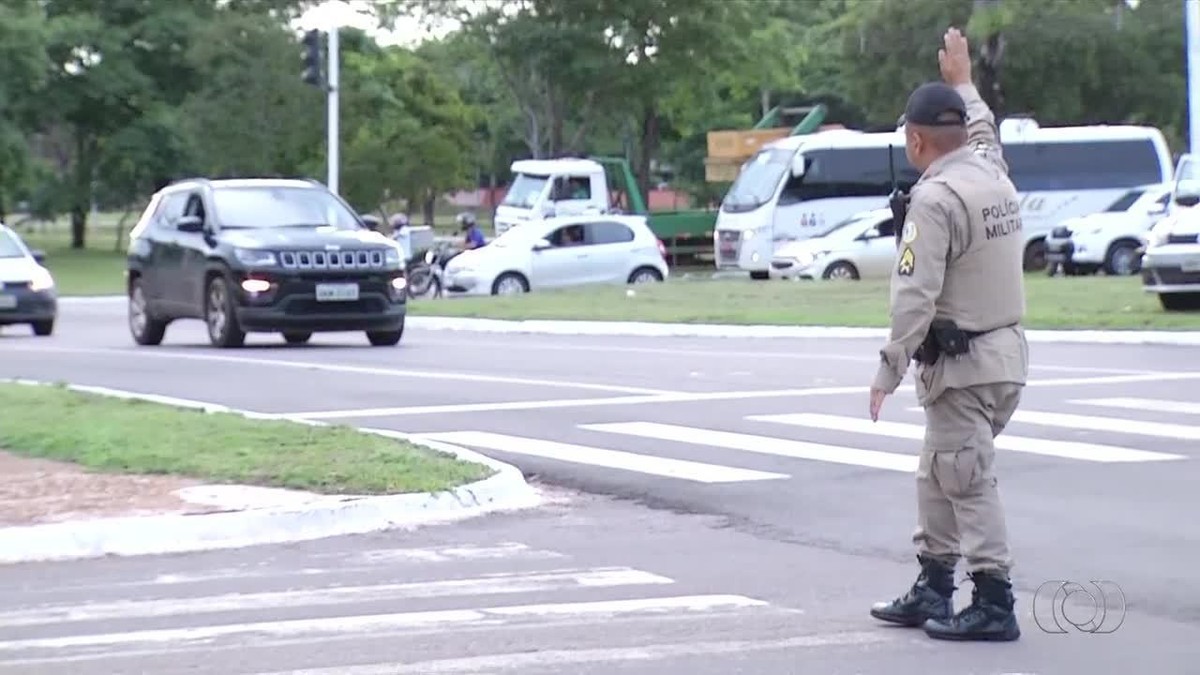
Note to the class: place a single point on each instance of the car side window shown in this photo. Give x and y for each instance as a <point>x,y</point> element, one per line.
<point>567,235</point>
<point>195,206</point>
<point>608,232</point>
<point>170,209</point>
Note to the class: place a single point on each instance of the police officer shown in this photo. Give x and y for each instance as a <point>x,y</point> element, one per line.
<point>957,300</point>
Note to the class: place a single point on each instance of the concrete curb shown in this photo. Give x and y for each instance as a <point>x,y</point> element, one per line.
<point>1187,338</point>
<point>505,490</point>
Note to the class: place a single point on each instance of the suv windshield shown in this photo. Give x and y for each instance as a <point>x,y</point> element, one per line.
<point>9,248</point>
<point>268,207</point>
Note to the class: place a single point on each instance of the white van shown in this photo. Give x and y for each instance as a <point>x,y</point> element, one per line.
<point>799,185</point>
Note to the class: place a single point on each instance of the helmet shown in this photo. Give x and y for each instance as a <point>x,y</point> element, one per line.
<point>399,220</point>
<point>465,220</point>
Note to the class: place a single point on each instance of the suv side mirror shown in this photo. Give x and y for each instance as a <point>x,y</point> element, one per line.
<point>870,234</point>
<point>1187,200</point>
<point>39,257</point>
<point>542,245</point>
<point>190,224</point>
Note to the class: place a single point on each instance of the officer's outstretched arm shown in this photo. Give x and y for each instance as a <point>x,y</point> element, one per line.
<point>916,280</point>
<point>982,135</point>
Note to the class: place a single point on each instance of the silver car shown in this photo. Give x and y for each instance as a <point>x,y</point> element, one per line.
<point>860,247</point>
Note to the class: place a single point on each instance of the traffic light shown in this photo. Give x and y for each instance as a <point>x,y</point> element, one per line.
<point>312,57</point>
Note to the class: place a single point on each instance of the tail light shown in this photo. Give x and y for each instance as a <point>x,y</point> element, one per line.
<point>662,249</point>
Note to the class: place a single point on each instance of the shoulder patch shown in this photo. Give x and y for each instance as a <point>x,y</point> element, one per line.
<point>910,232</point>
<point>908,262</point>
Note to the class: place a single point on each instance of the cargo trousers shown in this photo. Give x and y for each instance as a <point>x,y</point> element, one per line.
<point>959,513</point>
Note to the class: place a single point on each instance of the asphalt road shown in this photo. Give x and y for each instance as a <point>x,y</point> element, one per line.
<point>724,473</point>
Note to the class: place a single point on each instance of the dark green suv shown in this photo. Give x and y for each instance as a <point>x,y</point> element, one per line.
<point>261,255</point>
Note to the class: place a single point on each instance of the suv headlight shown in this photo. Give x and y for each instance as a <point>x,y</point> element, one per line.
<point>252,257</point>
<point>392,258</point>
<point>41,280</point>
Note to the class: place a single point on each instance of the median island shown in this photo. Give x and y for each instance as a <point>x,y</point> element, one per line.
<point>122,436</point>
<point>1096,302</point>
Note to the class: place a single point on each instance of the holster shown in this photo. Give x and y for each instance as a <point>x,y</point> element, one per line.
<point>944,337</point>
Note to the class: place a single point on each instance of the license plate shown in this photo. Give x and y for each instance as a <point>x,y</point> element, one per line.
<point>337,292</point>
<point>1190,266</point>
<point>8,301</point>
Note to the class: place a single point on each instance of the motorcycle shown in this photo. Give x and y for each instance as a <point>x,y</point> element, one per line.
<point>425,274</point>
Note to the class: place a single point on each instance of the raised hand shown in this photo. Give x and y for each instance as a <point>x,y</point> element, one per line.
<point>955,59</point>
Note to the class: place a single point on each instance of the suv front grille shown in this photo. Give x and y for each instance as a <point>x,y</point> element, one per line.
<point>727,245</point>
<point>333,260</point>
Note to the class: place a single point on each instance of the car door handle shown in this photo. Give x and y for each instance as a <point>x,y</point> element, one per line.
<point>582,255</point>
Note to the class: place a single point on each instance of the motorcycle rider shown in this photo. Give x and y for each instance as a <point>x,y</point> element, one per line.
<point>472,235</point>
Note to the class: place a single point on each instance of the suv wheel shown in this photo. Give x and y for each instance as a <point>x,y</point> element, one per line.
<point>385,338</point>
<point>219,315</point>
<point>145,328</point>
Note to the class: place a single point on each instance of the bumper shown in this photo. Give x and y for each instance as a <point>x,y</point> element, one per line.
<point>791,269</point>
<point>463,283</point>
<point>22,305</point>
<point>291,304</point>
<point>1175,270</point>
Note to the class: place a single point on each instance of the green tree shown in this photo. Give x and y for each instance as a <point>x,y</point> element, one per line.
<point>407,133</point>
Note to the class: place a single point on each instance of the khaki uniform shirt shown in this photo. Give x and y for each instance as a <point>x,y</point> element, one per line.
<point>960,257</point>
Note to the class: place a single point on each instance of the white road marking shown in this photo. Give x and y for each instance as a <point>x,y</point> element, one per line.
<point>683,397</point>
<point>1187,432</point>
<point>329,626</point>
<point>341,563</point>
<point>611,459</point>
<point>1150,404</point>
<point>345,368</point>
<point>766,445</point>
<point>1113,379</point>
<point>560,660</point>
<point>495,584</point>
<point>1071,450</point>
<point>740,355</point>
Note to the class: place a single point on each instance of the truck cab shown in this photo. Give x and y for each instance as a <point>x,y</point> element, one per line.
<point>544,188</point>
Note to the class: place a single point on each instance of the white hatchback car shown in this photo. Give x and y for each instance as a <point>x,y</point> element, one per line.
<point>560,252</point>
<point>861,247</point>
<point>27,293</point>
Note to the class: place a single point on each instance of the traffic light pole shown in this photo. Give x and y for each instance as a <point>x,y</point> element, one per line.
<point>332,118</point>
<point>1191,9</point>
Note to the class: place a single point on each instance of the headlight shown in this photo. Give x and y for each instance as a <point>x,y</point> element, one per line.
<point>749,234</point>
<point>1158,235</point>
<point>392,257</point>
<point>252,257</point>
<point>41,281</point>
<point>429,257</point>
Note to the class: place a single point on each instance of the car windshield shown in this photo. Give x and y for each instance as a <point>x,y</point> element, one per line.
<point>10,247</point>
<point>756,183</point>
<point>845,225</point>
<point>525,190</point>
<point>516,235</point>
<point>271,207</point>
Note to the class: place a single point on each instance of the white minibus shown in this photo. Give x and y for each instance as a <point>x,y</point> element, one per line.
<point>799,185</point>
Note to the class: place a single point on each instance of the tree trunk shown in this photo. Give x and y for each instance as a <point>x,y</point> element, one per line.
<point>81,190</point>
<point>650,138</point>
<point>428,207</point>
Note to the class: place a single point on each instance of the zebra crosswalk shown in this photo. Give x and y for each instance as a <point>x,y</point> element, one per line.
<point>501,608</point>
<point>734,451</point>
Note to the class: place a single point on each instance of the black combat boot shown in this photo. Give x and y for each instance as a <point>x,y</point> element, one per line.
<point>929,598</point>
<point>989,617</point>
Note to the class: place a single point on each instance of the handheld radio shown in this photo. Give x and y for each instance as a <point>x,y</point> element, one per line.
<point>898,200</point>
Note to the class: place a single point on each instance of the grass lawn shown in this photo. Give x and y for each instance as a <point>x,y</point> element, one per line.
<point>125,436</point>
<point>1060,302</point>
